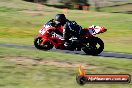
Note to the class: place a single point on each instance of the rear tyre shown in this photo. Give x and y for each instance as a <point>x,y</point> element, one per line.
<point>38,44</point>
<point>93,46</point>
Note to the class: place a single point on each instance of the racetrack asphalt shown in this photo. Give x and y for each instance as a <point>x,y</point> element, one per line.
<point>103,54</point>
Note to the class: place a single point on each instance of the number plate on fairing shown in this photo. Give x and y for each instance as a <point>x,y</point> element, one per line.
<point>42,31</point>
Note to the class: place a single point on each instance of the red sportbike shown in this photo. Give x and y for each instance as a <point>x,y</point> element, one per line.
<point>47,39</point>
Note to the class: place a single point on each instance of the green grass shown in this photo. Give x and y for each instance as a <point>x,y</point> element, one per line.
<point>28,75</point>
<point>20,22</point>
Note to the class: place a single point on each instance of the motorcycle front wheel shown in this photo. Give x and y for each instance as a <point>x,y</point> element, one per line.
<point>93,46</point>
<point>38,44</point>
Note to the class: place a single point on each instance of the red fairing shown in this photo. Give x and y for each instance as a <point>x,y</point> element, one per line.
<point>45,34</point>
<point>60,28</point>
<point>40,35</point>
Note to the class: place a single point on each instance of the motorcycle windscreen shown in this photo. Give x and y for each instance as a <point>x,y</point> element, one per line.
<point>44,29</point>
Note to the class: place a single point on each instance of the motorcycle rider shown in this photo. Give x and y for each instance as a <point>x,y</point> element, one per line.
<point>66,28</point>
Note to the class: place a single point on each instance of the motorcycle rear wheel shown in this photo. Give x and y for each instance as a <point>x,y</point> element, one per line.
<point>38,44</point>
<point>94,46</point>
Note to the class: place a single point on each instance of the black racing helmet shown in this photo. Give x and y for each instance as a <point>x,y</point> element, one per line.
<point>60,18</point>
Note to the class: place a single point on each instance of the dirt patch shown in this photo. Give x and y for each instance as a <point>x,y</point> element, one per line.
<point>39,61</point>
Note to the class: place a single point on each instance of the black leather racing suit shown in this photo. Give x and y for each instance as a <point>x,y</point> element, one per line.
<point>71,28</point>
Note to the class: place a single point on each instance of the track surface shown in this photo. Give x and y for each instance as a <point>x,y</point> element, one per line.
<point>103,54</point>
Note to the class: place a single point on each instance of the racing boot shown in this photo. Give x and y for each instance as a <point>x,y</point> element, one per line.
<point>68,46</point>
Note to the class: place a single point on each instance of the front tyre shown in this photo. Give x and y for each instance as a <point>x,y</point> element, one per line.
<point>93,46</point>
<point>38,44</point>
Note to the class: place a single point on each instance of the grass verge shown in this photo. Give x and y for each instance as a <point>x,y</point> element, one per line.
<point>25,72</point>
<point>20,22</point>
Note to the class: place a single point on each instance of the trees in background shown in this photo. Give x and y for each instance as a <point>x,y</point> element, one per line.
<point>62,1</point>
<point>36,1</point>
<point>77,4</point>
<point>96,5</point>
<point>72,4</point>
